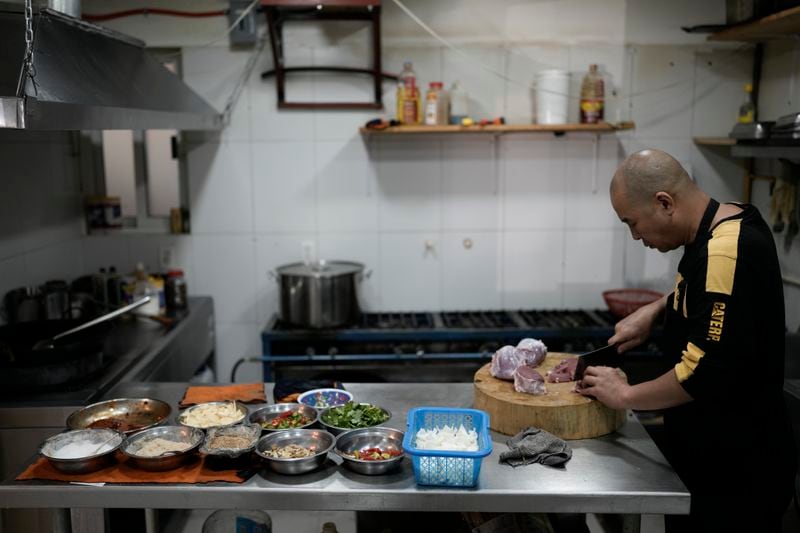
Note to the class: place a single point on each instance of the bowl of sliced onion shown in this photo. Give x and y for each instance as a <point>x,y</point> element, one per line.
<point>370,451</point>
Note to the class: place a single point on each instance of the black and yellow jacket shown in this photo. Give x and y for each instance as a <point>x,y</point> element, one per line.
<point>725,324</point>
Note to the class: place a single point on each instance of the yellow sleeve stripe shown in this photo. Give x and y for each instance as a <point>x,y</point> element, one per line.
<point>722,253</point>
<point>685,308</point>
<point>689,361</point>
<point>676,291</point>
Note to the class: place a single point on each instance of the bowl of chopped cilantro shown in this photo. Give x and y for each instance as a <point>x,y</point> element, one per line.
<point>281,416</point>
<point>353,415</point>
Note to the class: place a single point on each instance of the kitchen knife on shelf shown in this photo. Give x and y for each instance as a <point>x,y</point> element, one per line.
<point>605,356</point>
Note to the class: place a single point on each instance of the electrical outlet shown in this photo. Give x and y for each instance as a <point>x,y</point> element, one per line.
<point>166,255</point>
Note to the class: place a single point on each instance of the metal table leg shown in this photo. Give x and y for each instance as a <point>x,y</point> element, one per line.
<point>89,520</point>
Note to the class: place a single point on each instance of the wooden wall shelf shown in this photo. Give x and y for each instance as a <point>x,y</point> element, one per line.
<point>776,26</point>
<point>603,127</point>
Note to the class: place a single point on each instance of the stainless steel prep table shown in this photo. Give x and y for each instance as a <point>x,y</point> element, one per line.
<point>622,473</point>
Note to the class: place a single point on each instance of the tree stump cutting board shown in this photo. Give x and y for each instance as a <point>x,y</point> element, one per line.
<point>561,411</point>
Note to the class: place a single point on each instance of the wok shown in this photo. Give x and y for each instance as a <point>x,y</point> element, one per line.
<point>76,356</point>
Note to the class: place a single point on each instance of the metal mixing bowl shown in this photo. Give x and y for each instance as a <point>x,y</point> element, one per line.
<point>128,415</point>
<point>250,432</point>
<point>316,439</point>
<point>240,407</point>
<point>88,463</point>
<point>336,430</point>
<point>377,437</point>
<point>269,413</point>
<point>322,398</point>
<point>192,436</point>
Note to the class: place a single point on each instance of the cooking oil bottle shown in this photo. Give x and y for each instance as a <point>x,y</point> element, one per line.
<point>592,97</point>
<point>409,102</point>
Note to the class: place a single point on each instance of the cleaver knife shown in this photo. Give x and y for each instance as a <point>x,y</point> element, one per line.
<point>605,356</point>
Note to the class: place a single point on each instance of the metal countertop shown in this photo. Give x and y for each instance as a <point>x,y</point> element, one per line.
<point>621,473</point>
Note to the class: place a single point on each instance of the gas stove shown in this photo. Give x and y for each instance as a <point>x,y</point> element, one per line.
<point>427,346</point>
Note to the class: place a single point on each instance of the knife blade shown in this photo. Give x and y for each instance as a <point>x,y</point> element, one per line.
<point>605,356</point>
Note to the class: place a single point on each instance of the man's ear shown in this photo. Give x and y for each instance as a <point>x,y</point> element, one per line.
<point>666,202</point>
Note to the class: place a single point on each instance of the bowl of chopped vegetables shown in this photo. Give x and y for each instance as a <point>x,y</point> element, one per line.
<point>281,416</point>
<point>295,451</point>
<point>370,451</point>
<point>353,415</point>
<point>322,398</point>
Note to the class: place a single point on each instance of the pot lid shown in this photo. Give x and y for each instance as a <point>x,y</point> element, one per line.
<point>321,269</point>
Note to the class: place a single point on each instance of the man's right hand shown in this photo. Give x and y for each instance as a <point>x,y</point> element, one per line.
<point>635,328</point>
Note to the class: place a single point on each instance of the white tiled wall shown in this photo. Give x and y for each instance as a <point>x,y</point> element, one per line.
<point>441,222</point>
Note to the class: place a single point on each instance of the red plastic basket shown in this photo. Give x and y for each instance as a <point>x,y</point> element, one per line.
<point>622,302</point>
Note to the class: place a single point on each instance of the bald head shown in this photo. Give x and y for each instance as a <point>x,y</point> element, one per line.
<point>645,173</point>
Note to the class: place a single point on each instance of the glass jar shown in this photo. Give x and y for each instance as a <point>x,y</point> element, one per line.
<point>176,290</point>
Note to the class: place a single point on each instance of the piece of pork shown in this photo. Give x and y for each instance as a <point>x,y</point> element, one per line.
<point>531,351</point>
<point>504,362</point>
<point>526,379</point>
<point>564,371</point>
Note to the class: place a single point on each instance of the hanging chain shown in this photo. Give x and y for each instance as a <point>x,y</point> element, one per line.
<point>28,69</point>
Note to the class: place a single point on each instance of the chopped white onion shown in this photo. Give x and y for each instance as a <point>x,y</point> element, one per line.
<point>448,438</point>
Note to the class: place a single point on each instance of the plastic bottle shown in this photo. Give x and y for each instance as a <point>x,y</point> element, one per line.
<point>459,104</point>
<point>157,286</point>
<point>409,103</point>
<point>435,104</point>
<point>101,287</point>
<point>143,288</point>
<point>747,110</point>
<point>592,96</point>
<point>113,284</point>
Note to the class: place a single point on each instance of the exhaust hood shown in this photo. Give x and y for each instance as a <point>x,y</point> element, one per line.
<point>86,77</point>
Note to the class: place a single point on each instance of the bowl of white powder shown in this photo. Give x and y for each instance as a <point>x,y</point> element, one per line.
<point>83,450</point>
<point>162,448</point>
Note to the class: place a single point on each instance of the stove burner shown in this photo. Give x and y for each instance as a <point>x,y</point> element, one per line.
<point>441,346</point>
<point>396,321</point>
<point>479,320</point>
<point>568,319</point>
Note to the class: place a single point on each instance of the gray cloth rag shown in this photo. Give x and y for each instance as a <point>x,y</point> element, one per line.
<point>534,445</point>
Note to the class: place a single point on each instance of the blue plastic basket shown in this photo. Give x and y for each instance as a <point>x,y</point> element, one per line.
<point>447,468</point>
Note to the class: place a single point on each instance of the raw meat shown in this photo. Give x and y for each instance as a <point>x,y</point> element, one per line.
<point>564,371</point>
<point>526,379</point>
<point>504,362</point>
<point>531,352</point>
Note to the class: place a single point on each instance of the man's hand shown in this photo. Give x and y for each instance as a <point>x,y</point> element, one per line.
<point>606,384</point>
<point>635,328</point>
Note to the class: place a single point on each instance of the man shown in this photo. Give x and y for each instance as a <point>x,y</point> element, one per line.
<point>727,431</point>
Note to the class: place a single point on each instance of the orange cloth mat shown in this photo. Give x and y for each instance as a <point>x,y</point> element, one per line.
<point>196,471</point>
<point>245,393</point>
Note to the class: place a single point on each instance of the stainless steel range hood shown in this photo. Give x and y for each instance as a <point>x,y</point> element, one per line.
<point>89,78</point>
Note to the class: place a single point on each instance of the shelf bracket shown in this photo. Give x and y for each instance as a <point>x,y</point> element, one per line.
<point>279,12</point>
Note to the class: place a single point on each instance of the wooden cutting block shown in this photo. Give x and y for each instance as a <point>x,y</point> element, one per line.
<point>561,411</point>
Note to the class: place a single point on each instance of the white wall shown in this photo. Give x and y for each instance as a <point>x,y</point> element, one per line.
<point>780,95</point>
<point>534,206</point>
